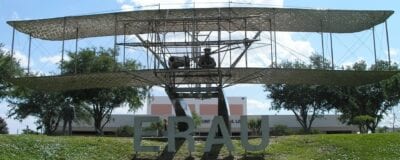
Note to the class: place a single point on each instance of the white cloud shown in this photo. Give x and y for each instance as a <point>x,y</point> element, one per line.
<point>350,63</point>
<point>127,7</point>
<point>256,107</point>
<point>287,47</point>
<point>393,52</point>
<point>168,4</point>
<point>121,1</point>
<point>22,59</point>
<point>15,16</point>
<point>52,59</point>
<point>157,91</point>
<point>19,56</point>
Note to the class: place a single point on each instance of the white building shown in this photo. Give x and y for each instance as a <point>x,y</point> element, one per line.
<point>207,109</point>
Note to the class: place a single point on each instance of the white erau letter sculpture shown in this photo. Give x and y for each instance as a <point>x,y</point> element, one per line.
<point>217,123</point>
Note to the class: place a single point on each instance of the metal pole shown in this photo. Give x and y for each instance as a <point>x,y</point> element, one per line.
<point>270,39</point>
<point>219,47</point>
<point>332,61</point>
<point>387,43</point>
<point>373,38</point>
<point>124,44</point>
<point>12,50</point>
<point>230,34</point>
<point>62,46</point>
<point>76,49</point>
<point>323,47</point>
<point>29,53</point>
<point>245,37</point>
<point>115,41</point>
<point>276,57</point>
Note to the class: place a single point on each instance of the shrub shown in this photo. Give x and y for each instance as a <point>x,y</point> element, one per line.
<point>3,126</point>
<point>280,130</point>
<point>312,131</point>
<point>125,131</point>
<point>383,129</point>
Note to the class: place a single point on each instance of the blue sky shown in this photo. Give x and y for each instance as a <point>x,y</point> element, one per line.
<point>348,48</point>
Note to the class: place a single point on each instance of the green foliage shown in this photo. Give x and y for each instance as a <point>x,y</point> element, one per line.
<point>8,69</point>
<point>255,126</point>
<point>307,102</point>
<point>310,101</point>
<point>102,101</point>
<point>363,121</point>
<point>3,126</point>
<point>302,132</point>
<point>383,129</point>
<point>125,131</point>
<point>280,130</point>
<point>47,107</point>
<point>158,126</point>
<point>196,119</point>
<point>29,131</point>
<point>368,146</point>
<point>373,100</point>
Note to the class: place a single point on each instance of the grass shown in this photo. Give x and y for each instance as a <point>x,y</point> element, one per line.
<point>372,146</point>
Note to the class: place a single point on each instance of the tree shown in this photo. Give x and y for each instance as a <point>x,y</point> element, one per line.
<point>196,119</point>
<point>363,122</point>
<point>3,126</point>
<point>307,102</point>
<point>102,101</point>
<point>372,100</point>
<point>159,126</point>
<point>8,69</point>
<point>47,107</point>
<point>254,126</point>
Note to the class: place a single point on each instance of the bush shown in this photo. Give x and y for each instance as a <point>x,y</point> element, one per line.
<point>29,131</point>
<point>125,131</point>
<point>383,129</point>
<point>312,131</point>
<point>280,130</point>
<point>3,126</point>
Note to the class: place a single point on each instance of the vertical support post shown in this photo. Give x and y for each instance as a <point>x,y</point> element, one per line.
<point>230,38</point>
<point>322,46</point>
<point>29,54</point>
<point>387,43</point>
<point>219,48</point>
<point>373,38</point>
<point>276,57</point>
<point>115,41</point>
<point>76,50</point>
<point>245,38</point>
<point>12,50</point>
<point>332,61</point>
<point>270,40</point>
<point>124,45</point>
<point>274,29</point>
<point>63,46</point>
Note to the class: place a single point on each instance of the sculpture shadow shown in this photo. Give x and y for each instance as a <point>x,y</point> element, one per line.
<point>215,149</point>
<point>165,155</point>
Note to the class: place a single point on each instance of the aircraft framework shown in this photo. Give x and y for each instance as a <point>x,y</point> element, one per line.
<point>195,66</point>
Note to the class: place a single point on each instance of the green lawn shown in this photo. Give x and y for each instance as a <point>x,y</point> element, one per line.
<point>373,146</point>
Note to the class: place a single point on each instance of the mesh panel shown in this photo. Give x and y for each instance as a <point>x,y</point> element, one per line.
<point>284,19</point>
<point>230,76</point>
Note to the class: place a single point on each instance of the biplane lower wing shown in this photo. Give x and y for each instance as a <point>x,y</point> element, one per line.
<point>230,76</point>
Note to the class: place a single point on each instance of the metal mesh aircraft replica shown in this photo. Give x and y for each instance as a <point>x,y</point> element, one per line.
<point>196,66</point>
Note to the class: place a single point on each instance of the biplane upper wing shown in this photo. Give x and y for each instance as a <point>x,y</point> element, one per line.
<point>230,76</point>
<point>257,19</point>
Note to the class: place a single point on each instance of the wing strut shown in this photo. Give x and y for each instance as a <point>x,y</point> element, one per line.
<point>247,46</point>
<point>154,53</point>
